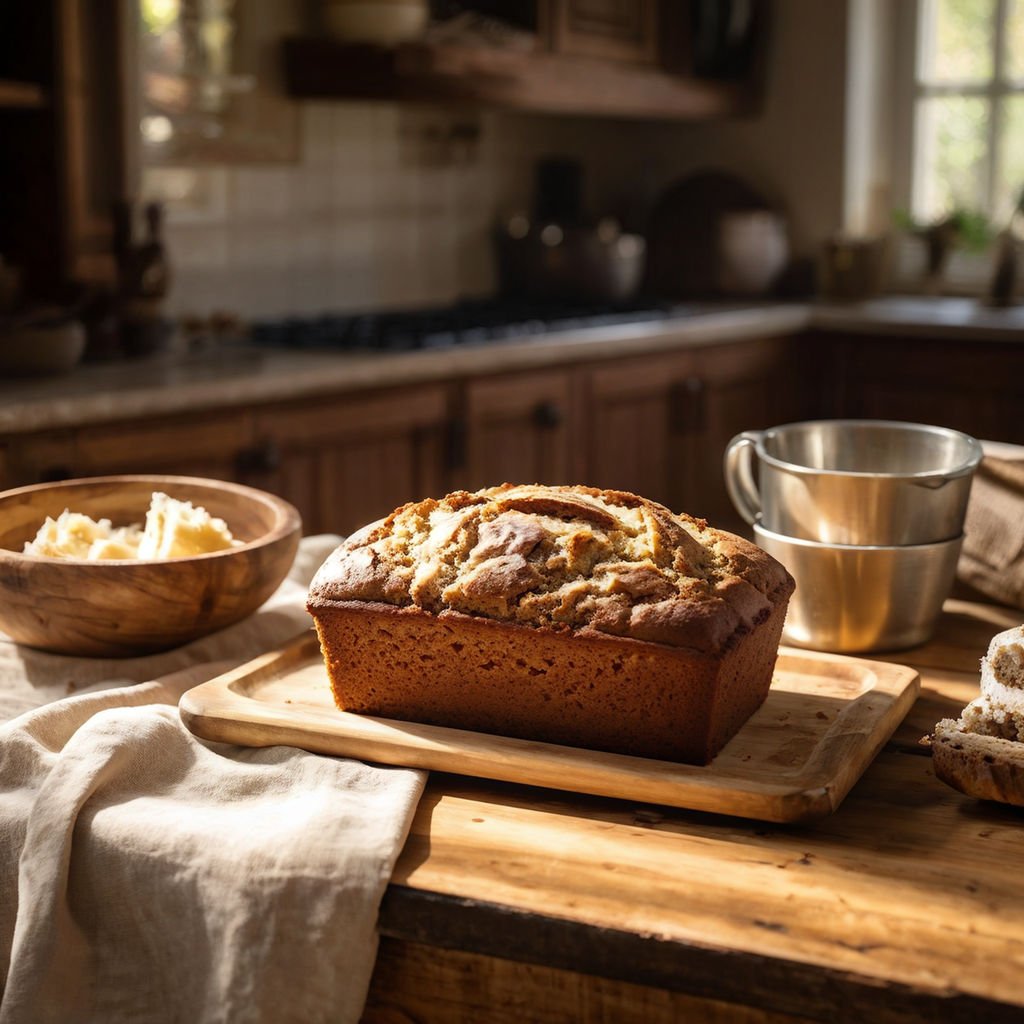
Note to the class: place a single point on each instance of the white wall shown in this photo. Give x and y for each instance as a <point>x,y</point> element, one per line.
<point>376,213</point>
<point>793,150</point>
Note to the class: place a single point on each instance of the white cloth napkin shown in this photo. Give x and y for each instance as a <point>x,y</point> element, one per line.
<point>146,875</point>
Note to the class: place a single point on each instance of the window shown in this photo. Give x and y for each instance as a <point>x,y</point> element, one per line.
<point>967,108</point>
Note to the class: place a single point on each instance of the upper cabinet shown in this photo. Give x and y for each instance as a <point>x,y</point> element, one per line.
<point>606,29</point>
<point>62,117</point>
<point>661,59</point>
<point>17,94</point>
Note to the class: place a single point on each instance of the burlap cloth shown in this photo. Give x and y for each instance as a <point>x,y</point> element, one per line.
<point>146,875</point>
<point>992,559</point>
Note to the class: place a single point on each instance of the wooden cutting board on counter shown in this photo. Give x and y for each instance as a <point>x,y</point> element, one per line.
<point>825,719</point>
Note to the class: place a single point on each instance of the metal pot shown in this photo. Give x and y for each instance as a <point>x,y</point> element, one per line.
<point>854,481</point>
<point>852,598</point>
<point>555,262</point>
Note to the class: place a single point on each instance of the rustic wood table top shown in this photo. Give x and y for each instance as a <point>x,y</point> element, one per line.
<point>905,904</point>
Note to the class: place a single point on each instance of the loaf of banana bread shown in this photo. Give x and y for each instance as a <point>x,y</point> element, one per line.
<point>569,615</point>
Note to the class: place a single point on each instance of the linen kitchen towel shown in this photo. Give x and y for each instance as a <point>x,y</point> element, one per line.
<point>992,559</point>
<point>146,875</point>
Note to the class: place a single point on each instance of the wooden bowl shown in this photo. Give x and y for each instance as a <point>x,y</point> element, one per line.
<point>126,607</point>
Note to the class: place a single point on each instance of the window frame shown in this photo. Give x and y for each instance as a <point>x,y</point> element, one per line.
<point>908,88</point>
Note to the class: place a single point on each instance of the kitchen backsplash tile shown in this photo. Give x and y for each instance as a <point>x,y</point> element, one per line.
<point>388,206</point>
<point>204,247</point>
<point>318,141</point>
<point>260,194</point>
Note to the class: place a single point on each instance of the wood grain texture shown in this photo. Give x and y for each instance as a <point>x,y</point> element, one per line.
<point>904,905</point>
<point>121,608</point>
<point>21,94</point>
<point>824,720</point>
<point>518,427</point>
<point>899,907</point>
<point>534,81</point>
<point>414,983</point>
<point>348,461</point>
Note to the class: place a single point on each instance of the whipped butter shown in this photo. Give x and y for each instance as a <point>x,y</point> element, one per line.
<point>173,529</point>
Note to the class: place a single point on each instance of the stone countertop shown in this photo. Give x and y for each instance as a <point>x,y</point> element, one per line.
<point>241,375</point>
<point>238,375</point>
<point>920,316</point>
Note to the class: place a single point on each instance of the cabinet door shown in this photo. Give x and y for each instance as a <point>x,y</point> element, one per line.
<point>605,29</point>
<point>197,445</point>
<point>35,458</point>
<point>518,428</point>
<point>348,460</point>
<point>970,386</point>
<point>659,424</point>
<point>747,385</point>
<point>643,416</point>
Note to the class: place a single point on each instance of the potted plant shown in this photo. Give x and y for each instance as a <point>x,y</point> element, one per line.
<point>959,228</point>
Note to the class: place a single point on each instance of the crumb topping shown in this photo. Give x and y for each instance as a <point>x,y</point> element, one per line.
<point>560,557</point>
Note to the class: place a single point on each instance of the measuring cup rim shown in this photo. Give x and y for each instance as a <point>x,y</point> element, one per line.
<point>803,542</point>
<point>967,466</point>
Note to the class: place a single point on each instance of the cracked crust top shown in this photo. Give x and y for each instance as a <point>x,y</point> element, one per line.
<point>568,558</point>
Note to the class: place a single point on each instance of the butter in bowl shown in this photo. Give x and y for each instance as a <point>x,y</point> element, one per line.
<point>121,566</point>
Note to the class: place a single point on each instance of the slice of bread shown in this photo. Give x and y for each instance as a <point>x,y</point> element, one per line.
<point>988,767</point>
<point>981,753</point>
<point>1002,671</point>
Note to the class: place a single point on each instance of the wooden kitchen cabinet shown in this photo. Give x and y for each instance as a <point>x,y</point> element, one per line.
<point>653,423</point>
<point>747,386</point>
<point>342,461</point>
<point>345,461</point>
<point>617,58</point>
<point>643,420</point>
<point>205,444</point>
<point>199,444</point>
<point>66,123</point>
<point>659,425</point>
<point>974,387</point>
<point>33,459</point>
<point>607,29</point>
<point>518,428</point>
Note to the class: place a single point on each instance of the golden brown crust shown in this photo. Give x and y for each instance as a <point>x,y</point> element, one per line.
<point>567,614</point>
<point>982,766</point>
<point>981,753</point>
<point>599,692</point>
<point>569,557</point>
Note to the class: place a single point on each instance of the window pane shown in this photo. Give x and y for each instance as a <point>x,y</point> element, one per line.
<point>1010,182</point>
<point>1015,39</point>
<point>956,40</point>
<point>951,154</point>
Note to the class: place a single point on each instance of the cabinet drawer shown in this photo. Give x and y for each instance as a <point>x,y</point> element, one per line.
<point>139,446</point>
<point>310,423</point>
<point>36,458</point>
<point>519,428</point>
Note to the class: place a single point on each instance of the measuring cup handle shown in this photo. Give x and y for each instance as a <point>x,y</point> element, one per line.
<point>739,474</point>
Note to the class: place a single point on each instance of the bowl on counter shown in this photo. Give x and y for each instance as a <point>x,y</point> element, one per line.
<point>558,262</point>
<point>862,598</point>
<point>129,607</point>
<point>376,22</point>
<point>859,482</point>
<point>40,343</point>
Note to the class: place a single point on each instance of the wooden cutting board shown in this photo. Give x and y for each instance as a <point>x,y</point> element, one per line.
<point>825,719</point>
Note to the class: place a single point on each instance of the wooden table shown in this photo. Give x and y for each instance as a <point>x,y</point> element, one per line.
<point>516,904</point>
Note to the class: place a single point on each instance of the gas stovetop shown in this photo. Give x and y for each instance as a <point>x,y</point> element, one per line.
<point>466,324</point>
